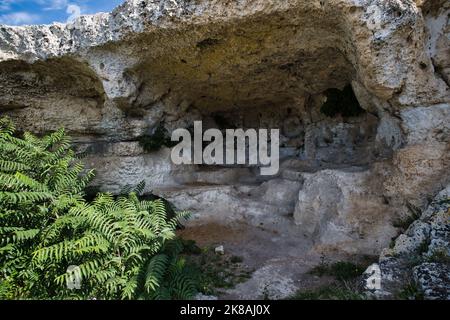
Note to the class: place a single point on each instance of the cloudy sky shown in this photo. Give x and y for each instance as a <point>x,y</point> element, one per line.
<point>23,12</point>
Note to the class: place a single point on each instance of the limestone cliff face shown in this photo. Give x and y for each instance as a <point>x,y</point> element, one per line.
<point>419,256</point>
<point>111,79</point>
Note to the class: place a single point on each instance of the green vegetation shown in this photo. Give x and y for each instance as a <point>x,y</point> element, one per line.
<point>404,223</point>
<point>341,102</point>
<point>213,272</point>
<point>236,259</point>
<point>124,248</point>
<point>410,292</point>
<point>423,247</point>
<point>190,247</point>
<point>444,201</point>
<point>328,292</point>
<point>439,256</point>
<point>392,243</point>
<point>345,285</point>
<point>413,260</point>
<point>340,270</point>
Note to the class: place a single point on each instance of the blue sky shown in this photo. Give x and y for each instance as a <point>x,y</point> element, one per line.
<point>24,12</point>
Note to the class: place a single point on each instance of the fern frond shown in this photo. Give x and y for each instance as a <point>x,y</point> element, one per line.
<point>12,166</point>
<point>155,272</point>
<point>24,196</point>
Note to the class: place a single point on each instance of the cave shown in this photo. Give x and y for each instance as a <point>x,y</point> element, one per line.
<point>362,113</point>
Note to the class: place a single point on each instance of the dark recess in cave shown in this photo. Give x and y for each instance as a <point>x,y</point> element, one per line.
<point>153,142</point>
<point>342,103</point>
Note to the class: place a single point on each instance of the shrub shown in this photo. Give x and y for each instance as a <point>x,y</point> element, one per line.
<point>439,255</point>
<point>39,181</point>
<point>213,272</point>
<point>341,270</point>
<point>410,291</point>
<point>123,248</point>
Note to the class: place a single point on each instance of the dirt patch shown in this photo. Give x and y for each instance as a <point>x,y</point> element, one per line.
<point>214,234</point>
<point>273,264</point>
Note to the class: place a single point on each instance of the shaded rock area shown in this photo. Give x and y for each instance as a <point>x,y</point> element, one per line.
<point>359,90</point>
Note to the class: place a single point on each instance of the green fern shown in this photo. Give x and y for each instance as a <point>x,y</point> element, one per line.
<point>124,248</point>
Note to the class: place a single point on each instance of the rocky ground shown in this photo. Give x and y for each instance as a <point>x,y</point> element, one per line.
<point>415,266</point>
<point>418,263</point>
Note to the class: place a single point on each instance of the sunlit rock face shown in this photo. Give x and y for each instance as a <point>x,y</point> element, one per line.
<point>112,79</point>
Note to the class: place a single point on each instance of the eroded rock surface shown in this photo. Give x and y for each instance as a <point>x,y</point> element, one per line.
<point>346,174</point>
<point>417,265</point>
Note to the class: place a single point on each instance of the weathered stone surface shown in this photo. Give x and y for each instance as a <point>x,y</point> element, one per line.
<point>420,257</point>
<point>293,47</point>
<point>118,169</point>
<point>434,280</point>
<point>421,167</point>
<point>231,203</point>
<point>270,282</point>
<point>112,79</point>
<point>345,210</point>
<point>438,43</point>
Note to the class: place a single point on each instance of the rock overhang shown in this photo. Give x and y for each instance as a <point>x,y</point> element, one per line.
<point>171,62</point>
<point>226,54</point>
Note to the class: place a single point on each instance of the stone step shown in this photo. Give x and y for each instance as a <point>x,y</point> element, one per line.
<point>218,202</point>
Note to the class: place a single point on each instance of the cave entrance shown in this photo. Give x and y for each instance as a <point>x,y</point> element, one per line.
<point>328,130</point>
<point>252,216</point>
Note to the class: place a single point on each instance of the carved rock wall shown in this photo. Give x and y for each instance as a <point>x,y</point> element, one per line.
<point>111,79</point>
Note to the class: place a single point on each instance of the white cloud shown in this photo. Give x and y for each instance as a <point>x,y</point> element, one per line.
<point>53,4</point>
<point>74,11</point>
<point>8,16</point>
<point>18,18</point>
<point>5,5</point>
